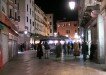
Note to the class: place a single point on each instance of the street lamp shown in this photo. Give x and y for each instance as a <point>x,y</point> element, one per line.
<point>72,5</point>
<point>25,32</point>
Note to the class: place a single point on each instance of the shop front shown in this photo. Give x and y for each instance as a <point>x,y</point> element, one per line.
<point>1,62</point>
<point>1,58</point>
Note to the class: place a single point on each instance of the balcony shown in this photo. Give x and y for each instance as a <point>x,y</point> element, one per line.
<point>99,0</point>
<point>16,19</point>
<point>87,14</point>
<point>11,17</point>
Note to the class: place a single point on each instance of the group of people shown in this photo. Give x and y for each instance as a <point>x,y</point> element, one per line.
<point>71,48</point>
<point>85,50</point>
<point>43,49</point>
<point>76,49</point>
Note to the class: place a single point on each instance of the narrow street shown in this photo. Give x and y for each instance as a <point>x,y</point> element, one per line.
<point>27,64</point>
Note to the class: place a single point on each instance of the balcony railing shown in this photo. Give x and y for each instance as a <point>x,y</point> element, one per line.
<point>99,0</point>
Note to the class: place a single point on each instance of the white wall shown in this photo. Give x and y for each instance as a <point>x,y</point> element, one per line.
<point>50,18</point>
<point>22,15</point>
<point>5,48</point>
<point>101,38</point>
<point>27,14</point>
<point>4,6</point>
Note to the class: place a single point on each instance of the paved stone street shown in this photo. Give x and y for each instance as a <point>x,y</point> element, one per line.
<point>27,64</point>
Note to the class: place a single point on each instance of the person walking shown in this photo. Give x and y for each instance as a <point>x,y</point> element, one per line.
<point>92,51</point>
<point>68,48</point>
<point>76,50</point>
<point>84,51</point>
<point>71,48</point>
<point>39,50</point>
<point>65,48</point>
<point>58,50</point>
<point>47,50</point>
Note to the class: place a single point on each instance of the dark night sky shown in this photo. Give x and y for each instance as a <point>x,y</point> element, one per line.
<point>59,8</point>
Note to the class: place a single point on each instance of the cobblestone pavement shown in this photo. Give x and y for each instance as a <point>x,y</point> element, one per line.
<point>27,64</point>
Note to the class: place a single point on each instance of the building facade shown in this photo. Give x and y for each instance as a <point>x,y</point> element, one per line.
<point>101,26</point>
<point>26,23</point>
<point>8,30</point>
<point>50,18</point>
<point>42,27</point>
<point>68,29</point>
<point>92,23</point>
<point>20,21</point>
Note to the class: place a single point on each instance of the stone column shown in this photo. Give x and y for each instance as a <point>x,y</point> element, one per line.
<point>101,37</point>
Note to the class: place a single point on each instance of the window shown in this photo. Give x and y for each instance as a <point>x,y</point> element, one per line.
<point>27,7</point>
<point>3,9</point>
<point>33,23</point>
<point>15,1</point>
<point>90,1</point>
<point>75,25</point>
<point>32,3</point>
<point>67,31</point>
<point>15,15</point>
<point>18,18</point>
<point>27,19</point>
<point>26,27</point>
<point>50,23</point>
<point>30,11</point>
<point>50,30</point>
<point>18,6</point>
<point>30,21</point>
<point>10,12</point>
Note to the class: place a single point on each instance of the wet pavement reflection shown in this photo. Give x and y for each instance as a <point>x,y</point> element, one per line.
<point>27,64</point>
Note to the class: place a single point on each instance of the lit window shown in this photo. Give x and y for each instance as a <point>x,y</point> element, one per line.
<point>67,31</point>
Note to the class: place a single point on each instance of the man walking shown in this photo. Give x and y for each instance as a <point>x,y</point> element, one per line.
<point>84,51</point>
